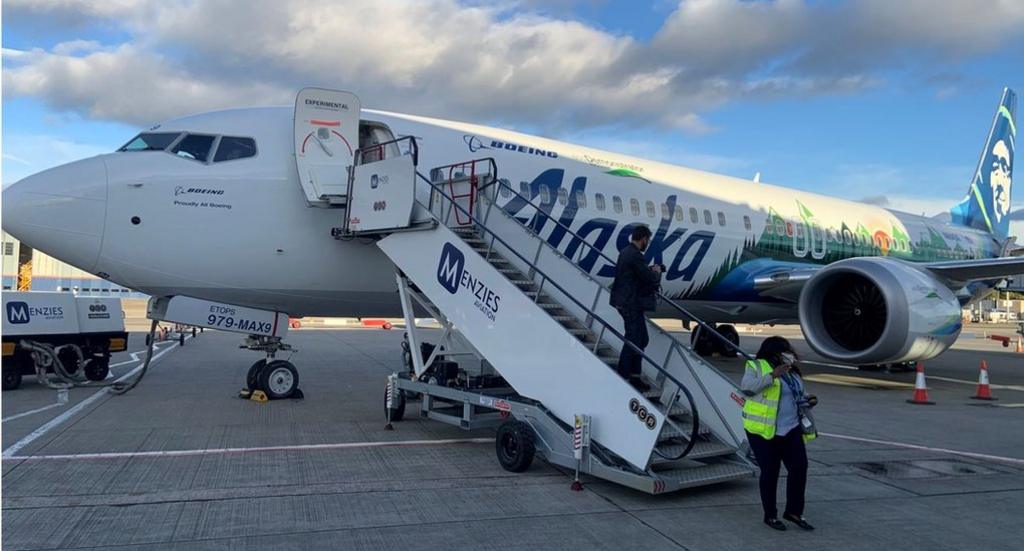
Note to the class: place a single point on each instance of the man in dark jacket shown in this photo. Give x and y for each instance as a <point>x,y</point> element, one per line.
<point>634,291</point>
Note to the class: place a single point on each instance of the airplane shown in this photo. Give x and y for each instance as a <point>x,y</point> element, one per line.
<point>212,206</point>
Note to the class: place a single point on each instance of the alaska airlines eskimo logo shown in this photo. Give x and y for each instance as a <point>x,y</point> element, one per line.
<point>1001,179</point>
<point>453,275</point>
<point>182,190</point>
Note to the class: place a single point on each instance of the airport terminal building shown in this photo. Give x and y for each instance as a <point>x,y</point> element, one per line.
<point>49,274</point>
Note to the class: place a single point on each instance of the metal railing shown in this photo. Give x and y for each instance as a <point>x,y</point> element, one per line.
<point>584,243</point>
<point>606,326</point>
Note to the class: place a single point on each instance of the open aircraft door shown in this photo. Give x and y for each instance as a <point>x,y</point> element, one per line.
<point>326,137</point>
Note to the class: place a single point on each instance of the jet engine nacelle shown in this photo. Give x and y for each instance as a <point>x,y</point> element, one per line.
<point>878,310</point>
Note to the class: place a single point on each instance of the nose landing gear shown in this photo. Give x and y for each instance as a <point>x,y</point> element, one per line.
<point>277,379</point>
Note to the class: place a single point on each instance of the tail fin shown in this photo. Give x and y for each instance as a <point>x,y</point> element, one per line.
<point>987,205</point>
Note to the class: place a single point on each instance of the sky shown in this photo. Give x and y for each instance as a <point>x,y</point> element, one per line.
<point>888,102</point>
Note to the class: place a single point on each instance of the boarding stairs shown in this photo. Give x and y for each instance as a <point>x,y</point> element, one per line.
<point>544,324</point>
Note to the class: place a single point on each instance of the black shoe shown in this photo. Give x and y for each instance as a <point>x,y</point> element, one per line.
<point>775,523</point>
<point>799,521</point>
<point>639,384</point>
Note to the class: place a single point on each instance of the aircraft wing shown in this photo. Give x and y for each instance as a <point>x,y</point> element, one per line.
<point>972,270</point>
<point>784,282</point>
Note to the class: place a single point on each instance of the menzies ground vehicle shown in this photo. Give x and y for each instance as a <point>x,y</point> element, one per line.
<point>82,331</point>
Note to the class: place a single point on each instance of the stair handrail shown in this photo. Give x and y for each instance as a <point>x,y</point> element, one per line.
<point>694,414</point>
<point>665,298</point>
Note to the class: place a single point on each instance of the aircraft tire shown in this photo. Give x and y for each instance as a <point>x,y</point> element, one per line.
<point>729,332</point>
<point>252,378</point>
<point>11,378</point>
<point>96,369</point>
<point>702,343</point>
<point>514,446</point>
<point>279,379</point>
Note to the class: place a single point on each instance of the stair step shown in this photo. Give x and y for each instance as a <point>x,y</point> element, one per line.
<point>708,473</point>
<point>702,449</point>
<point>580,332</point>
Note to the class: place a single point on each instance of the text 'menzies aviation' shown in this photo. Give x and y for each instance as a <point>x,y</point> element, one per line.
<point>212,206</point>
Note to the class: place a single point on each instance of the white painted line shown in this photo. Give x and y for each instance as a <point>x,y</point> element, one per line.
<point>30,412</point>
<point>261,449</point>
<point>60,419</point>
<point>973,383</point>
<point>1011,460</point>
<point>137,356</point>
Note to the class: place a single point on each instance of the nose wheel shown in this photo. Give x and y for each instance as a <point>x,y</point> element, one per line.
<point>278,379</point>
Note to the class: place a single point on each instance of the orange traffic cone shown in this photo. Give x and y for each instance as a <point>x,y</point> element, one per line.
<point>984,390</point>
<point>920,388</point>
<point>1020,345</point>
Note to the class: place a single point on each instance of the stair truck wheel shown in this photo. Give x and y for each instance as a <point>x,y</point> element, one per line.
<point>279,379</point>
<point>69,359</point>
<point>252,378</point>
<point>11,377</point>
<point>514,446</point>
<point>732,335</point>
<point>398,403</point>
<point>702,342</point>
<point>97,369</point>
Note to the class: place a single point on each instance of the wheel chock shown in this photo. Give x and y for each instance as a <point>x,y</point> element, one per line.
<point>244,394</point>
<point>258,396</point>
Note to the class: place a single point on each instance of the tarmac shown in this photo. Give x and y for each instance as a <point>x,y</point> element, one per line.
<point>181,463</point>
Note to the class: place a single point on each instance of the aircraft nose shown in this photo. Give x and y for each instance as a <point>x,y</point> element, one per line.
<point>60,211</point>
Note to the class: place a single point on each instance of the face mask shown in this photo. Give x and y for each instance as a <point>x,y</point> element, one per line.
<point>788,358</point>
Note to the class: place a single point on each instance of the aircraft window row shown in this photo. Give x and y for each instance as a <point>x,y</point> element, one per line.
<point>835,236</point>
<point>546,194</point>
<point>197,147</point>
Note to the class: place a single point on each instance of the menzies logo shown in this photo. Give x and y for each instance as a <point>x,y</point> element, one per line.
<point>17,312</point>
<point>450,268</point>
<point>453,275</point>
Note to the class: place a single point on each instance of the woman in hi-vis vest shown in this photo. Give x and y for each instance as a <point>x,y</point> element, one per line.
<point>777,418</point>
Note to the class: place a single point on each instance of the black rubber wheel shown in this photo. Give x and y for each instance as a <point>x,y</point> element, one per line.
<point>279,379</point>
<point>96,369</point>
<point>252,379</point>
<point>702,342</point>
<point>398,412</point>
<point>514,446</point>
<point>11,378</point>
<point>733,336</point>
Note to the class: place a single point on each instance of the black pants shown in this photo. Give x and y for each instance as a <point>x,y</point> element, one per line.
<point>630,361</point>
<point>788,450</point>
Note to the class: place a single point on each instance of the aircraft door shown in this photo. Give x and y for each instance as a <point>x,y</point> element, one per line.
<point>326,137</point>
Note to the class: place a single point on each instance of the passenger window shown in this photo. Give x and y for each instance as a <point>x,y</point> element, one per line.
<point>746,223</point>
<point>665,213</point>
<point>581,199</point>
<point>679,213</point>
<point>707,217</point>
<point>506,192</point>
<point>563,197</point>
<point>617,203</point>
<point>231,148</point>
<point>721,218</point>
<point>151,141</point>
<point>780,227</point>
<point>694,217</point>
<point>650,209</point>
<point>545,194</point>
<point>524,189</point>
<point>599,201</point>
<point>195,147</point>
<point>634,207</point>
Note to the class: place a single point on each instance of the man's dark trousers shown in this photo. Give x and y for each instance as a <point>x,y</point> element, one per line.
<point>635,325</point>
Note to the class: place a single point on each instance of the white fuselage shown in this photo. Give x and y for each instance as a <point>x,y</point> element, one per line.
<point>242,231</point>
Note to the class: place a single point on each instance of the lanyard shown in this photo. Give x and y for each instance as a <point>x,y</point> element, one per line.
<point>794,385</point>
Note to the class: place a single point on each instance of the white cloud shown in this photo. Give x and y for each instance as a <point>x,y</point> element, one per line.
<point>483,62</point>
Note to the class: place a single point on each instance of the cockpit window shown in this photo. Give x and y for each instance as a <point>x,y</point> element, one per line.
<point>151,141</point>
<point>194,146</point>
<point>233,147</point>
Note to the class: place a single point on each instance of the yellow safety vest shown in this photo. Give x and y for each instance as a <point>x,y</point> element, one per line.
<point>760,411</point>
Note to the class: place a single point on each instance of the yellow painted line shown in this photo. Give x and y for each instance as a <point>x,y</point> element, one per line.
<point>860,382</point>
